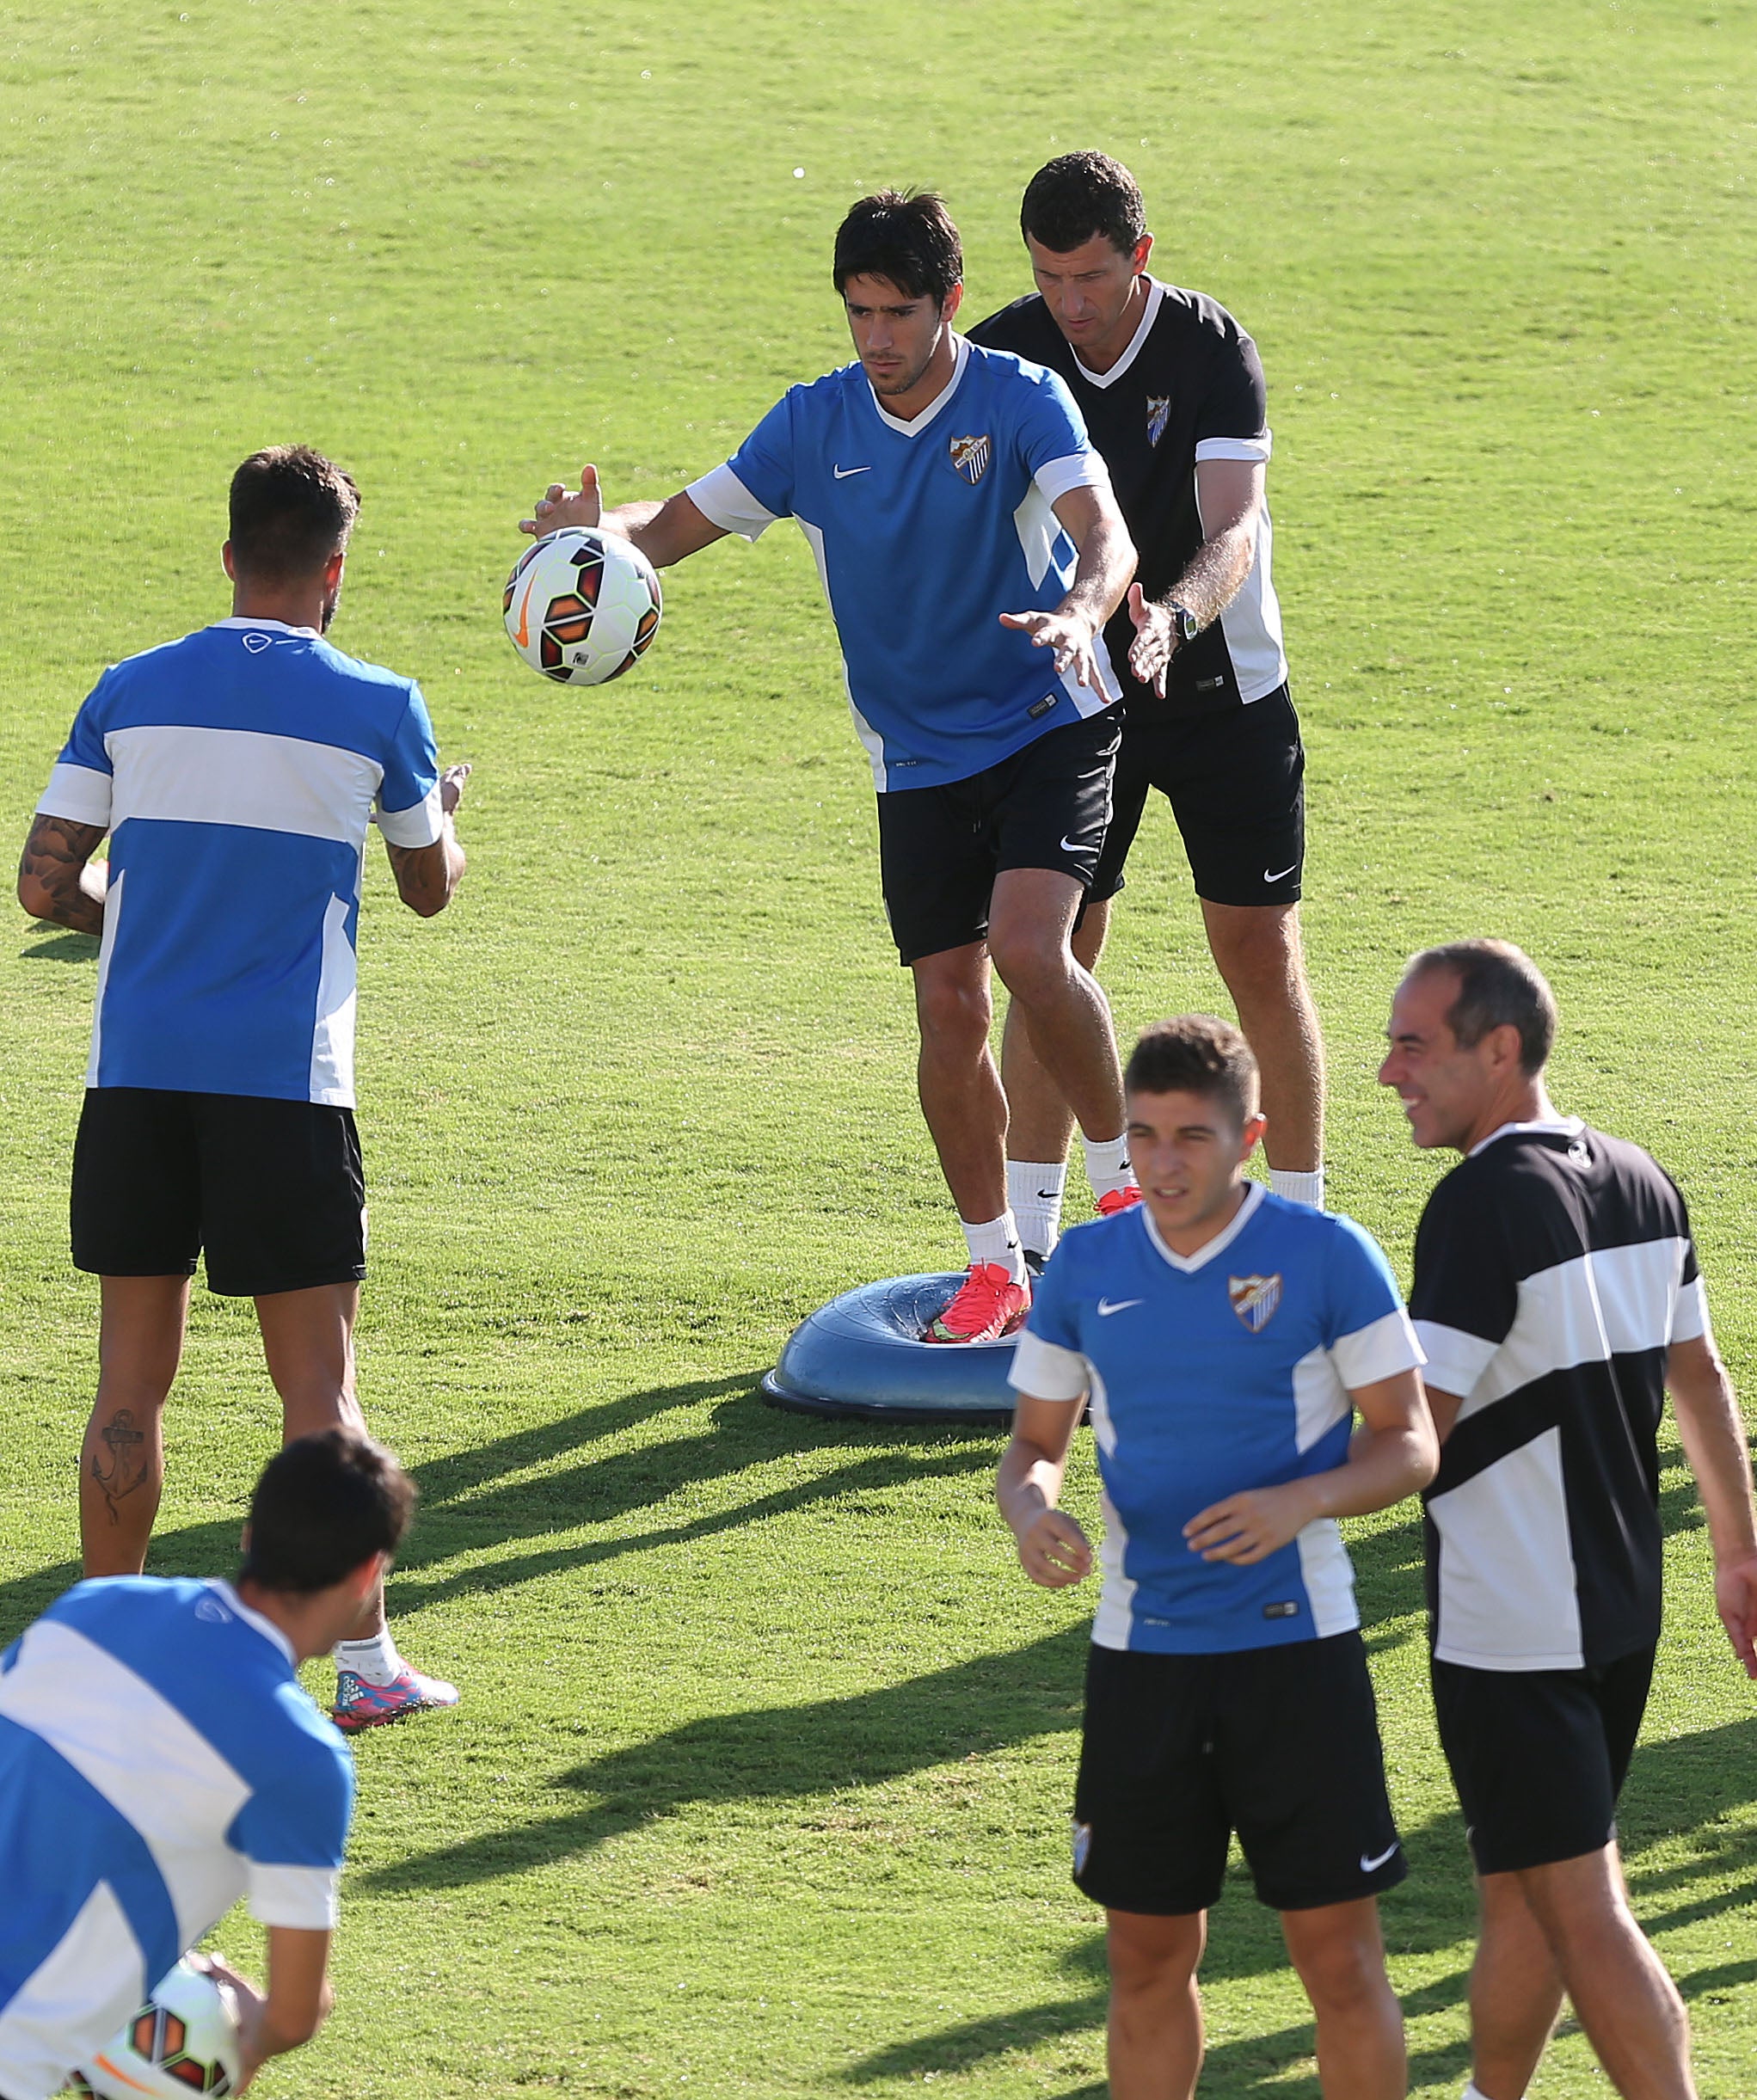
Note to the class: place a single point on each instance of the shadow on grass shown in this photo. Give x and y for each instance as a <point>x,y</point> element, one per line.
<point>61,948</point>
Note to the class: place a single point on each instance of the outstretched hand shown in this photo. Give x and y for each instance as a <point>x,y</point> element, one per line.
<point>451,787</point>
<point>1073,639</point>
<point>1735,1600</point>
<point>561,505</point>
<point>1155,643</point>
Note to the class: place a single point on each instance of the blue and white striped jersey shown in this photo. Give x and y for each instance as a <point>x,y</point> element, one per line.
<point>1208,1375</point>
<point>924,533</point>
<point>236,771</point>
<point>158,1759</point>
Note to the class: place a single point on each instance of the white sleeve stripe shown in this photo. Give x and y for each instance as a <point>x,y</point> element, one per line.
<point>306,1898</point>
<point>421,825</point>
<point>1234,448</point>
<point>724,501</point>
<point>1047,1371</point>
<point>79,793</point>
<point>1078,470</point>
<point>1379,1351</point>
<point>1690,1316</point>
<point>1456,1361</point>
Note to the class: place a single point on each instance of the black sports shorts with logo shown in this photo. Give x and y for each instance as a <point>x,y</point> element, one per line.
<point>1235,778</point>
<point>940,849</point>
<point>272,1191</point>
<point>1278,1744</point>
<point>1538,1757</point>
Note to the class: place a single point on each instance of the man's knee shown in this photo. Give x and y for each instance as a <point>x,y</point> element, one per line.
<point>953,1008</point>
<point>1034,963</point>
<point>1148,1955</point>
<point>1340,1957</point>
<point>1257,947</point>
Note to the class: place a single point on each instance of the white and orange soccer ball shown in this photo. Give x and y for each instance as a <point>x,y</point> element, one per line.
<point>582,604</point>
<point>183,2039</point>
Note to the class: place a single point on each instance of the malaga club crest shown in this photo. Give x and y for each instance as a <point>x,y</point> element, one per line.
<point>1159,414</point>
<point>1254,1300</point>
<point>970,456</point>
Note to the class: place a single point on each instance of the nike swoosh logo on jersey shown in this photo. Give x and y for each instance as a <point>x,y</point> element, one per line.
<point>842,473</point>
<point>1372,1866</point>
<point>1283,876</point>
<point>1107,1305</point>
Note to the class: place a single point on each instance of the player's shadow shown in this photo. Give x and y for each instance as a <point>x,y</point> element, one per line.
<point>61,948</point>
<point>778,1752</point>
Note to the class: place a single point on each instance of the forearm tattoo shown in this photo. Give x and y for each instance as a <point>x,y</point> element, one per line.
<point>54,859</point>
<point>127,1466</point>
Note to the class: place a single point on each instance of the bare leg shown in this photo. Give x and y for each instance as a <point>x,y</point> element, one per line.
<point>1256,948</point>
<point>1515,1991</point>
<point>308,1340</point>
<point>961,1094</point>
<point>121,1462</point>
<point>1155,2028</point>
<point>1041,1125</point>
<point>1629,2006</point>
<point>1340,1956</point>
<point>1030,917</point>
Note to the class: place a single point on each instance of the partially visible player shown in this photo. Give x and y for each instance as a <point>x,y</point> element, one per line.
<point>237,773</point>
<point>971,551</point>
<point>1171,389</point>
<point>1225,1338</point>
<point>1558,1296</point>
<point>159,1760</point>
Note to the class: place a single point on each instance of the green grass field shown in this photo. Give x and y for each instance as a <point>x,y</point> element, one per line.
<point>761,1783</point>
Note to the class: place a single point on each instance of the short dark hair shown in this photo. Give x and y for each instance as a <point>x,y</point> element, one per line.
<point>1195,1053</point>
<point>1498,987</point>
<point>292,509</point>
<point>324,1504</point>
<point>1077,195</point>
<point>906,237</point>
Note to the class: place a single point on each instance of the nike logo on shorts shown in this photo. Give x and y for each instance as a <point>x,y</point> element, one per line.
<point>1372,1866</point>
<point>1106,1307</point>
<point>842,473</point>
<point>1283,876</point>
<point>1078,845</point>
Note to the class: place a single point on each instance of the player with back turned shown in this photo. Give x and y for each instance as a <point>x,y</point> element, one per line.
<point>1557,1296</point>
<point>1171,389</point>
<point>971,551</point>
<point>1225,1339</point>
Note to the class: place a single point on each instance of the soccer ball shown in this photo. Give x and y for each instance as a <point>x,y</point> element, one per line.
<point>582,604</point>
<point>183,2039</point>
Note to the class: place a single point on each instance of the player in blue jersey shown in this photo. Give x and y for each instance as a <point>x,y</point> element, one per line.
<point>159,1760</point>
<point>236,773</point>
<point>1225,1339</point>
<point>971,551</point>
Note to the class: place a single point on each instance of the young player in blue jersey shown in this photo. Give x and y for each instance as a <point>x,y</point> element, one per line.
<point>236,773</point>
<point>159,1760</point>
<point>971,551</point>
<point>1223,1338</point>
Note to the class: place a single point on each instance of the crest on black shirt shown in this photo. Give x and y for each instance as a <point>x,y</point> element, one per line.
<point>1254,1299</point>
<point>970,456</point>
<point>1159,414</point>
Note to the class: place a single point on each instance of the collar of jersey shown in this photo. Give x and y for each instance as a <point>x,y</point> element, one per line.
<point>1156,292</point>
<point>267,1627</point>
<point>1188,1263</point>
<point>1561,1127</point>
<point>280,627</point>
<point>960,358</point>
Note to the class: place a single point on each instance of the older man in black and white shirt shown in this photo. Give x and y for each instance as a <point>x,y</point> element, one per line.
<point>1557,1299</point>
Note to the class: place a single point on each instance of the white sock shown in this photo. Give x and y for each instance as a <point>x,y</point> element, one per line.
<point>1107,1164</point>
<point>1473,2091</point>
<point>998,1241</point>
<point>1034,1193</point>
<point>1299,1187</point>
<point>376,1661</point>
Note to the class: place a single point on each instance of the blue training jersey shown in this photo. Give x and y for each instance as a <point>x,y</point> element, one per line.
<point>236,771</point>
<point>1208,1375</point>
<point>158,1759</point>
<point>924,533</point>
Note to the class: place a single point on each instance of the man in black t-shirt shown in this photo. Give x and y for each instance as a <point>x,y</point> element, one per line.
<point>1172,392</point>
<point>1557,1298</point>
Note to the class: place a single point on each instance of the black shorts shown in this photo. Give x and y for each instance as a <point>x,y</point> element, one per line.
<point>1278,1744</point>
<point>272,1190</point>
<point>1538,1757</point>
<point>940,849</point>
<point>1235,781</point>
